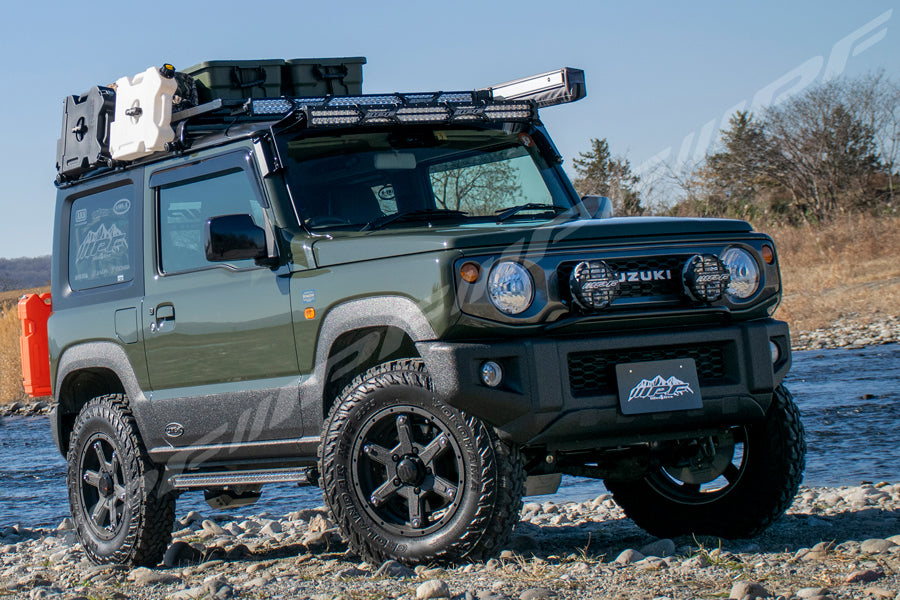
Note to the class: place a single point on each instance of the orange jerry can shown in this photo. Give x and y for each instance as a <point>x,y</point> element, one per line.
<point>34,310</point>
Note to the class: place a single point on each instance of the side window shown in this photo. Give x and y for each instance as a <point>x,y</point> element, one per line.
<point>101,239</point>
<point>184,208</point>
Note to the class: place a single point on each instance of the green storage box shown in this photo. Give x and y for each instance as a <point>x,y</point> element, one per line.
<point>305,77</point>
<point>237,79</point>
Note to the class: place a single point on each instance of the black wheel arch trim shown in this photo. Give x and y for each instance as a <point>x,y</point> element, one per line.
<point>94,357</point>
<point>399,312</point>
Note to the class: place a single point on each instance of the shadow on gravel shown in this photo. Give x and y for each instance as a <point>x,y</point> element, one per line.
<point>790,533</point>
<point>604,540</point>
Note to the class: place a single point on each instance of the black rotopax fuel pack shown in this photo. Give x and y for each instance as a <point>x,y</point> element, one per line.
<point>84,142</point>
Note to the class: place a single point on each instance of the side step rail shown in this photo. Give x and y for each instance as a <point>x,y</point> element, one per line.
<point>221,479</point>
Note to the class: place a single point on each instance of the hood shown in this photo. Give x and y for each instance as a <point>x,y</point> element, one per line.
<point>344,247</point>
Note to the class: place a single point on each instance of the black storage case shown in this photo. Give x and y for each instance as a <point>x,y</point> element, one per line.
<point>84,142</point>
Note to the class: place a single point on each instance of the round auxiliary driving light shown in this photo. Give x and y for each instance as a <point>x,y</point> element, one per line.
<point>491,374</point>
<point>510,287</point>
<point>706,277</point>
<point>594,284</point>
<point>744,273</point>
<point>774,350</point>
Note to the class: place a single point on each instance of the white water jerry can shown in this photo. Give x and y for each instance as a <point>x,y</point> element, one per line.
<point>143,121</point>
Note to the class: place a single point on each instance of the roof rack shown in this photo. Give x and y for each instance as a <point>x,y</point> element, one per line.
<point>515,101</point>
<point>369,109</point>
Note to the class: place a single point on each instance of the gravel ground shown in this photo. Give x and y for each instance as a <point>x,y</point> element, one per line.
<point>833,543</point>
<point>852,331</point>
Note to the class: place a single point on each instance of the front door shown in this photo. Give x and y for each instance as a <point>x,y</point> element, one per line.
<point>219,344</point>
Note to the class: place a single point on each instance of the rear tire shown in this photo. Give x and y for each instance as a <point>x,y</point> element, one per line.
<point>759,482</point>
<point>120,512</point>
<point>407,477</point>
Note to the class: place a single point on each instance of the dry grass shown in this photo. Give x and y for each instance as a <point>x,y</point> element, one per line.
<point>848,268</point>
<point>11,389</point>
<point>10,364</point>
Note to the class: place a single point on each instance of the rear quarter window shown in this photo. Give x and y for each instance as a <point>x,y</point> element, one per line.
<point>101,239</point>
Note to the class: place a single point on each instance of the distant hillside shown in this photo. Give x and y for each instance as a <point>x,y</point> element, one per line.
<point>20,273</point>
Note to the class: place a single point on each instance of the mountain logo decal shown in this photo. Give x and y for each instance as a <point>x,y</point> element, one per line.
<point>659,389</point>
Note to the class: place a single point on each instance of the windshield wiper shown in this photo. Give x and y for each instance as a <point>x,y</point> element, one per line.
<point>412,215</point>
<point>506,213</point>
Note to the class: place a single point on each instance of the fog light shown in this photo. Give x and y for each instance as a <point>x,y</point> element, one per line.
<point>594,284</point>
<point>705,277</point>
<point>491,374</point>
<point>776,353</point>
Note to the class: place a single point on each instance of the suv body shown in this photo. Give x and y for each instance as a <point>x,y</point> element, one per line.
<point>277,300</point>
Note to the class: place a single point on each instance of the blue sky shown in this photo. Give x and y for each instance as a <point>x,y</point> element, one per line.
<point>661,76</point>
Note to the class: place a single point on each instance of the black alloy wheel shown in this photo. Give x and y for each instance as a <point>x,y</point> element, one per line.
<point>102,489</point>
<point>121,507</point>
<point>409,478</point>
<point>718,464</point>
<point>409,469</point>
<point>734,486</point>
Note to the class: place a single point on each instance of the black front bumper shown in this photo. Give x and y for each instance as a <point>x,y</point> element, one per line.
<point>561,391</point>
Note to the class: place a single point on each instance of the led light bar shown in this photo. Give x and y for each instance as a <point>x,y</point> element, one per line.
<point>547,89</point>
<point>330,114</point>
<point>282,106</point>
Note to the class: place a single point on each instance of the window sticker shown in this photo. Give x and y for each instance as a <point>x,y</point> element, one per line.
<point>100,248</point>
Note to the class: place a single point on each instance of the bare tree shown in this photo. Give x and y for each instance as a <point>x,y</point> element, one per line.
<point>822,151</point>
<point>478,189</point>
<point>877,100</point>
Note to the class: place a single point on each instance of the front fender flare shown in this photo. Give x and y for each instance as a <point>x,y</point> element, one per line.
<point>381,311</point>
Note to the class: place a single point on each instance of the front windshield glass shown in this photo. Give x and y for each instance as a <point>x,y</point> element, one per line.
<point>411,177</point>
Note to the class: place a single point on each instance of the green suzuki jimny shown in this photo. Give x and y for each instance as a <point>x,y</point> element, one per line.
<point>401,299</point>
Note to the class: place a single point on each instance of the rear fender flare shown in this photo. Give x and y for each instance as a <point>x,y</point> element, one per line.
<point>100,357</point>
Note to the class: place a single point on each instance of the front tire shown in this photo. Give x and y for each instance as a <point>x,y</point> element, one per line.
<point>407,477</point>
<point>120,512</point>
<point>748,480</point>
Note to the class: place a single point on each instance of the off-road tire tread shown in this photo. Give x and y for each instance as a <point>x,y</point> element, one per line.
<point>761,497</point>
<point>499,502</point>
<point>153,507</point>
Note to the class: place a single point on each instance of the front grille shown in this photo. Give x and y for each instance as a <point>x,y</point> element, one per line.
<point>593,373</point>
<point>643,270</point>
<point>671,265</point>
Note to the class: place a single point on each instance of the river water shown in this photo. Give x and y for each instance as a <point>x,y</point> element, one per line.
<point>849,399</point>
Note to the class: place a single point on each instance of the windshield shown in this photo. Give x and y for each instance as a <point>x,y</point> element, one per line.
<point>406,177</point>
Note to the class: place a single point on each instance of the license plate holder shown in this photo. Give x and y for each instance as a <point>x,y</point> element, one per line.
<point>658,386</point>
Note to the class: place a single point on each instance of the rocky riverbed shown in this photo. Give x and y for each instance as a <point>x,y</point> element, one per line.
<point>852,331</point>
<point>833,543</point>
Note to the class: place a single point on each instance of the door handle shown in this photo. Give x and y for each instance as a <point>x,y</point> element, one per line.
<point>164,318</point>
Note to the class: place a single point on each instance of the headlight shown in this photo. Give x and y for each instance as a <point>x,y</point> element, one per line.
<point>510,287</point>
<point>744,273</point>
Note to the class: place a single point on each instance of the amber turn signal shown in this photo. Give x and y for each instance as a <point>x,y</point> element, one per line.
<point>469,272</point>
<point>309,313</point>
<point>768,254</point>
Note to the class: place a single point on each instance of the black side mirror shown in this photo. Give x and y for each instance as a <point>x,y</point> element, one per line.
<point>234,237</point>
<point>599,207</point>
